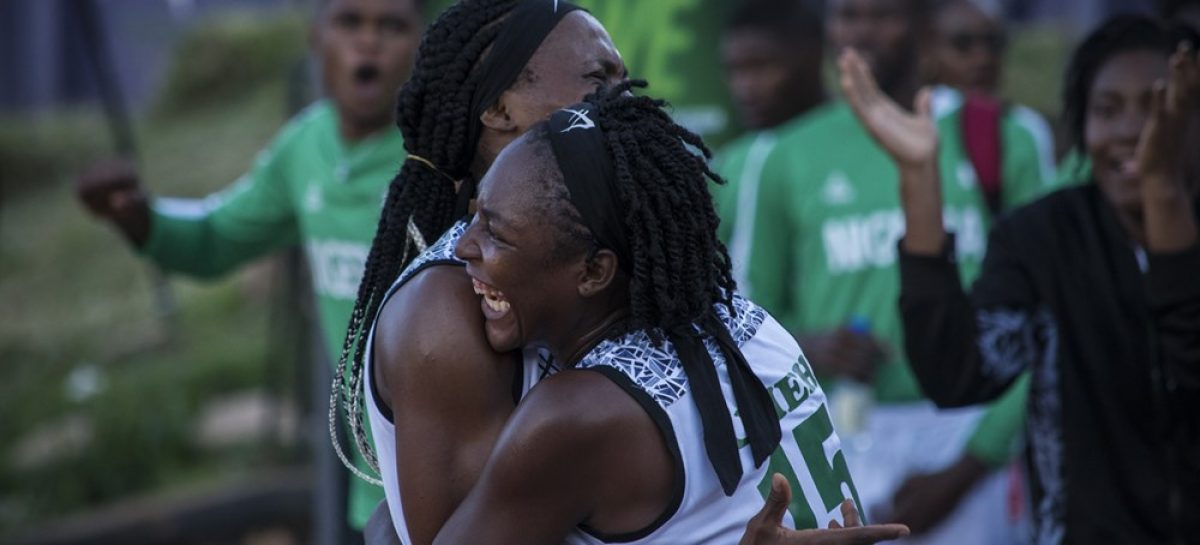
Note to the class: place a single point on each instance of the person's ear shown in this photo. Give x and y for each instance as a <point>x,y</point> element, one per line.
<point>598,273</point>
<point>498,117</point>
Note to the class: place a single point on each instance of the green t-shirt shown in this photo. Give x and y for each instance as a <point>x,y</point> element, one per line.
<point>307,187</point>
<point>812,216</point>
<point>672,44</point>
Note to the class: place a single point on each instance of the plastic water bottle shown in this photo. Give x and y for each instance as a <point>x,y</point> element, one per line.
<point>852,400</point>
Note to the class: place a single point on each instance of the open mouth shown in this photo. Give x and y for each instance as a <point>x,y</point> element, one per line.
<point>492,297</point>
<point>367,73</point>
<point>1124,165</point>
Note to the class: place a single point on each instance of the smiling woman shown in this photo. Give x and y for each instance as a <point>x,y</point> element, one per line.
<point>1091,289</point>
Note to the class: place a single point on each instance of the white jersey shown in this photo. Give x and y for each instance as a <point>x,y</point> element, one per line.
<point>537,365</point>
<point>809,454</point>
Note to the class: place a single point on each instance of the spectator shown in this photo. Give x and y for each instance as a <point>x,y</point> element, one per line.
<point>820,254</point>
<point>1093,289</point>
<point>772,52</point>
<point>966,59</point>
<point>320,183</point>
<point>967,49</point>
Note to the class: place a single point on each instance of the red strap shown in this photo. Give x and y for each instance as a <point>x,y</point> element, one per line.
<point>981,135</point>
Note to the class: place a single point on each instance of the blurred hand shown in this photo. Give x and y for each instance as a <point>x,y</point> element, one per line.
<point>111,190</point>
<point>923,501</point>
<point>844,353</point>
<point>766,527</point>
<point>910,139</point>
<point>1163,148</point>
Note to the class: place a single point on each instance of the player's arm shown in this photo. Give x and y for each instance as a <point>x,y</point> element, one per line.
<point>449,392</point>
<point>578,450</point>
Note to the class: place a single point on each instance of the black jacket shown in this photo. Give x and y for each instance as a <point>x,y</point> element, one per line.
<point>1114,407</point>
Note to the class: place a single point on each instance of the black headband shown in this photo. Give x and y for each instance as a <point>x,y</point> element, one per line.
<point>520,37</point>
<point>588,173</point>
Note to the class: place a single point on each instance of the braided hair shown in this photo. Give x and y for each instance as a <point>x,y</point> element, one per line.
<point>433,113</point>
<point>679,269</point>
<point>654,210</point>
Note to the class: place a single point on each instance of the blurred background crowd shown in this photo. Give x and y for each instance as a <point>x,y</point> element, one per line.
<point>170,386</point>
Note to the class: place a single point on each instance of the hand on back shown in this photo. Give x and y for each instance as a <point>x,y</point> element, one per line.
<point>112,190</point>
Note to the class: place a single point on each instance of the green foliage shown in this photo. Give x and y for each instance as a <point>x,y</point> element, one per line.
<point>76,297</point>
<point>222,58</point>
<point>1033,68</point>
<point>35,150</point>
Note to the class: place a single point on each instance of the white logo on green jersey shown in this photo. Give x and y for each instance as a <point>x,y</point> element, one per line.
<point>337,266</point>
<point>867,241</point>
<point>837,189</point>
<point>314,200</point>
<point>965,173</point>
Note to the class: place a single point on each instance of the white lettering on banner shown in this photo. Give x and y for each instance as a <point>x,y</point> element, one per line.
<point>863,241</point>
<point>337,266</point>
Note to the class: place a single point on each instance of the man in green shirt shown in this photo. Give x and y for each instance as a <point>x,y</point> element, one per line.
<point>320,182</point>
<point>819,251</point>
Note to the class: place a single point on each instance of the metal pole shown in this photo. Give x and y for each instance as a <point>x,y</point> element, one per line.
<point>95,41</point>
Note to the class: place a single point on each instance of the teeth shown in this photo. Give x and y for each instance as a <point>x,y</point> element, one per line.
<point>491,296</point>
<point>496,305</point>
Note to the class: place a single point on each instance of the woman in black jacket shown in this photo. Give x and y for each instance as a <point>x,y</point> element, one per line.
<point>1095,289</point>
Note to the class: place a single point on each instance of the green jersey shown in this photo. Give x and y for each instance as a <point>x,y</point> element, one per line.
<point>307,187</point>
<point>812,216</point>
<point>672,44</point>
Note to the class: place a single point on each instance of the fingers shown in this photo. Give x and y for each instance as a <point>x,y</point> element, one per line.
<point>1160,101</point>
<point>1184,80</point>
<point>852,87</point>
<point>863,535</point>
<point>777,501</point>
<point>850,514</point>
<point>923,105</point>
<point>856,79</point>
<point>97,185</point>
<point>765,525</point>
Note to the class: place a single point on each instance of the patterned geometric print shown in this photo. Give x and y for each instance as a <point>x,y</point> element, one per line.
<point>655,367</point>
<point>442,250</point>
<point>1012,341</point>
